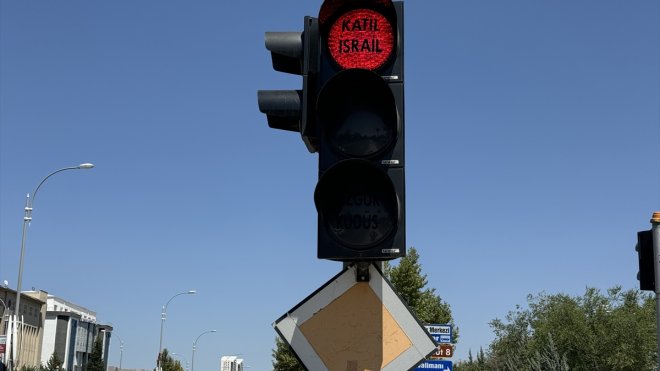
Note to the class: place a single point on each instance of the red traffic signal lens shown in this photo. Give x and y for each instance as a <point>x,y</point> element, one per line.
<point>361,38</point>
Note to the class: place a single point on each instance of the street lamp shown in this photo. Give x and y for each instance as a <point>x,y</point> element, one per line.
<point>121,350</point>
<point>163,315</point>
<point>26,221</point>
<point>192,363</point>
<point>182,356</point>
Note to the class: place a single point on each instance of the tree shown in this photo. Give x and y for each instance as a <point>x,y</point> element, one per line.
<point>591,332</point>
<point>28,368</point>
<point>168,363</point>
<point>283,358</point>
<point>96,362</point>
<point>471,364</point>
<point>409,282</point>
<point>54,363</point>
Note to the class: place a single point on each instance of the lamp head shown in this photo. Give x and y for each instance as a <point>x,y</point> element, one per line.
<point>86,165</point>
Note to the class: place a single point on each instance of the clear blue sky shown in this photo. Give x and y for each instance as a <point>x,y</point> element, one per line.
<point>533,158</point>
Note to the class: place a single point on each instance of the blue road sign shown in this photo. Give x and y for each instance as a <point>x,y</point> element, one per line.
<point>440,333</point>
<point>435,365</point>
<point>442,338</point>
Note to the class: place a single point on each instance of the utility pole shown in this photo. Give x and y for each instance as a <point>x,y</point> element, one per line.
<point>655,230</point>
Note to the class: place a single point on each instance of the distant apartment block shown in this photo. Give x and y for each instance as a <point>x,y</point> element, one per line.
<point>231,363</point>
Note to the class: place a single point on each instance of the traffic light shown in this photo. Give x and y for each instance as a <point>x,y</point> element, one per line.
<point>646,274</point>
<point>351,111</point>
<point>360,196</point>
<point>293,110</point>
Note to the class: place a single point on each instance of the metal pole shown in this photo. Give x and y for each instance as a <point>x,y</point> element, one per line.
<point>160,345</point>
<point>27,218</point>
<point>192,363</point>
<point>163,315</point>
<point>655,222</point>
<point>121,349</point>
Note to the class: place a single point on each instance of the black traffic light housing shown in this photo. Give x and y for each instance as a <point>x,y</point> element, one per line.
<point>646,274</point>
<point>360,196</point>
<point>351,111</point>
<point>294,110</point>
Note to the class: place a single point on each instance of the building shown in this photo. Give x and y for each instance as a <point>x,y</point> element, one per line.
<point>51,325</point>
<point>33,312</point>
<point>231,363</point>
<point>70,331</point>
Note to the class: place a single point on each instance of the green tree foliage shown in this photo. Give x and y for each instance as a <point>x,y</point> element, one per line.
<point>411,285</point>
<point>31,368</point>
<point>592,332</point>
<point>283,358</point>
<point>95,362</point>
<point>54,363</point>
<point>168,363</point>
<point>471,364</point>
<point>409,282</point>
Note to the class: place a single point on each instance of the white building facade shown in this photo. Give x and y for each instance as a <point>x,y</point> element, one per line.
<point>50,325</point>
<point>231,363</point>
<point>32,311</point>
<point>70,331</point>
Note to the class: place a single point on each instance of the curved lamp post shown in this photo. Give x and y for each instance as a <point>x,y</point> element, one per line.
<point>26,221</point>
<point>192,363</point>
<point>163,315</point>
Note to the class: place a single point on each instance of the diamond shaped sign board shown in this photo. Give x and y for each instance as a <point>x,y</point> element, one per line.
<point>355,326</point>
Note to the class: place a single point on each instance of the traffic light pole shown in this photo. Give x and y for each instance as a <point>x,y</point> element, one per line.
<point>655,230</point>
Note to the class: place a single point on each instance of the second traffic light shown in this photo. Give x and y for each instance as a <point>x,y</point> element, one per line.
<point>646,274</point>
<point>360,196</point>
